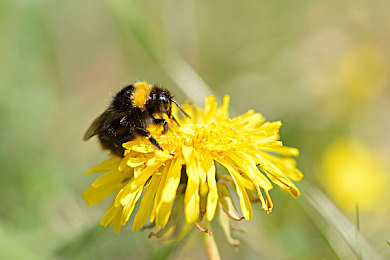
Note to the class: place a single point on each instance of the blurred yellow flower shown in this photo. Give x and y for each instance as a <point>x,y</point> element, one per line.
<point>354,175</point>
<point>188,169</point>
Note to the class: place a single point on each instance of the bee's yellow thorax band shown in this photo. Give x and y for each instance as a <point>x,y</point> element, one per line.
<point>141,93</point>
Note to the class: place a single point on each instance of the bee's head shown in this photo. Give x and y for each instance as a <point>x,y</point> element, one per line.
<point>160,101</point>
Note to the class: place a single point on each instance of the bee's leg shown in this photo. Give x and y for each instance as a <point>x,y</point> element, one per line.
<point>146,133</point>
<point>174,119</point>
<point>162,121</point>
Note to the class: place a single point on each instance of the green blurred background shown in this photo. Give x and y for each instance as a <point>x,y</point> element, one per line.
<point>319,66</point>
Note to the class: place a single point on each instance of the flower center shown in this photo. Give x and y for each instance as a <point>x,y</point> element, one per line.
<point>200,137</point>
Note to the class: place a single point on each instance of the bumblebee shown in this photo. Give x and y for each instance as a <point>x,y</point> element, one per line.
<point>130,113</point>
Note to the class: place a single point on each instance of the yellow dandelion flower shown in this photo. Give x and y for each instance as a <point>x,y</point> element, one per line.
<point>188,174</point>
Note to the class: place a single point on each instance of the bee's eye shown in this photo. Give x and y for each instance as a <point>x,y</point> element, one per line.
<point>164,99</point>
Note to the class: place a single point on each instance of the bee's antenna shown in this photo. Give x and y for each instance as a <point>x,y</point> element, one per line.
<point>182,110</point>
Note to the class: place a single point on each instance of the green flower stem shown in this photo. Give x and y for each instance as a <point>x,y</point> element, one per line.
<point>209,243</point>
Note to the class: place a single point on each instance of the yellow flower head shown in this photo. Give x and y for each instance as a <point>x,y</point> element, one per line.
<point>191,165</point>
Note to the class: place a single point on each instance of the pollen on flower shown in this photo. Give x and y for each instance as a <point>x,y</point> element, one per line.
<point>183,178</point>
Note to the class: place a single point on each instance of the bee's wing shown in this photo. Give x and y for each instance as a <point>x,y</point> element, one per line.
<point>95,127</point>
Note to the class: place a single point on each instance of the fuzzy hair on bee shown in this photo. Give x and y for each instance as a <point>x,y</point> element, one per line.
<point>130,113</point>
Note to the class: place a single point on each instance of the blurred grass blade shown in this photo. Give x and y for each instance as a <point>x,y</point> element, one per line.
<point>131,16</point>
<point>358,227</point>
<point>337,221</point>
